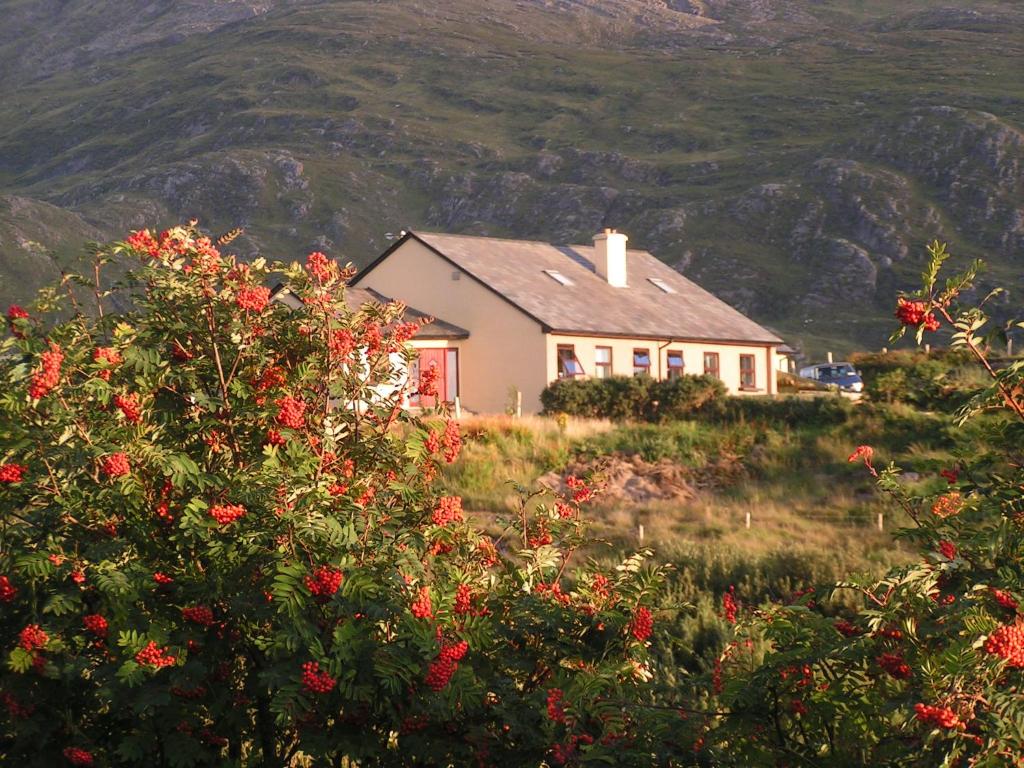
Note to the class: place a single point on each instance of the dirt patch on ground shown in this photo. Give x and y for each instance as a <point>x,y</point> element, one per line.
<point>629,478</point>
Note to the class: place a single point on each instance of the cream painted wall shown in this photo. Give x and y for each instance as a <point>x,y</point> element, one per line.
<point>505,348</point>
<point>765,365</point>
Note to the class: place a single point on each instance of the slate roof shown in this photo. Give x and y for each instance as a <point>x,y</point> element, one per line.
<point>515,269</point>
<point>357,297</point>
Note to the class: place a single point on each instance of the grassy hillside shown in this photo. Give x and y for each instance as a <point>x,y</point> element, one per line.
<point>692,484</point>
<point>790,155</point>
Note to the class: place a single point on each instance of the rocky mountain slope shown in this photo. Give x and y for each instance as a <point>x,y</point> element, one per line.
<point>791,155</point>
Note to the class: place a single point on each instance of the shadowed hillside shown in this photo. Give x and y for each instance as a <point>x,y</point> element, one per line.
<point>790,155</point>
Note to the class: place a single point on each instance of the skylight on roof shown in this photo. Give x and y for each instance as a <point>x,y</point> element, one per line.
<point>657,281</point>
<point>558,277</point>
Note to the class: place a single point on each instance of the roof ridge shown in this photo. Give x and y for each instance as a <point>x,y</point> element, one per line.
<point>519,240</point>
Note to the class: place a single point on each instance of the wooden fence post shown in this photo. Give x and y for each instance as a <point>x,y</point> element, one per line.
<point>458,407</point>
<point>748,519</point>
<point>881,526</point>
<point>519,404</point>
<point>640,533</point>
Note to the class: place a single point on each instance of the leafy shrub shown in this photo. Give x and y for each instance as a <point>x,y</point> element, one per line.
<point>683,397</point>
<point>632,397</point>
<point>222,545</point>
<point>938,380</point>
<point>928,670</point>
<point>790,411</point>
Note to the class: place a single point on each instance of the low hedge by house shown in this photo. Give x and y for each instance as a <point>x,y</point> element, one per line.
<point>633,397</point>
<point>701,398</point>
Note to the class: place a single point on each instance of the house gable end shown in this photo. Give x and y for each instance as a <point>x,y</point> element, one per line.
<point>440,254</point>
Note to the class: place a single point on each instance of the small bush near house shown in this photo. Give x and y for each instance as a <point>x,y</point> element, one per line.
<point>684,397</point>
<point>633,397</point>
<point>790,411</point>
<point>940,380</point>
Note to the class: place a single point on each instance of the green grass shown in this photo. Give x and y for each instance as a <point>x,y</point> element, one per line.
<point>795,482</point>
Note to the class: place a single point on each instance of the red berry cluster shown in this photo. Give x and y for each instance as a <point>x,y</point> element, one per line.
<point>942,717</point>
<point>729,605</point>
<point>320,267</point>
<point>129,405</point>
<point>641,624</point>
<point>96,624</point>
<point>275,438</point>
<point>32,637</point>
<point>48,376</point>
<point>15,708</point>
<point>198,614</point>
<point>271,378</point>
<point>315,681</point>
<point>1004,599</point>
<point>554,591</point>
<point>78,756</point>
<point>12,473</point>
<point>451,440</point>
<point>109,358</point>
<point>7,590</point>
<point>143,240</point>
<point>432,443</point>
<point>162,578</point>
<point>14,312</point>
<point>421,607</point>
<point>463,599</point>
<point>1007,642</point>
<point>163,511</point>
<point>564,510</point>
<point>581,492</point>
<point>372,339</point>
<point>563,754</point>
<point>845,628</point>
<point>947,549</point>
<point>951,475</point>
<point>556,710</point>
<point>154,656</point>
<point>542,536</point>
<point>915,313</point>
<point>894,664</point>
<point>341,343</point>
<point>115,465</point>
<point>889,633</point>
<point>253,299</point>
<point>225,514</point>
<point>324,582</point>
<point>428,381</point>
<point>448,510</point>
<point>189,693</point>
<point>442,668</point>
<point>947,505</point>
<point>403,332</point>
<point>291,412</point>
<point>863,453</point>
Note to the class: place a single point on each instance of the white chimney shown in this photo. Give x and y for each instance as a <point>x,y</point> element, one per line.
<point>610,257</point>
